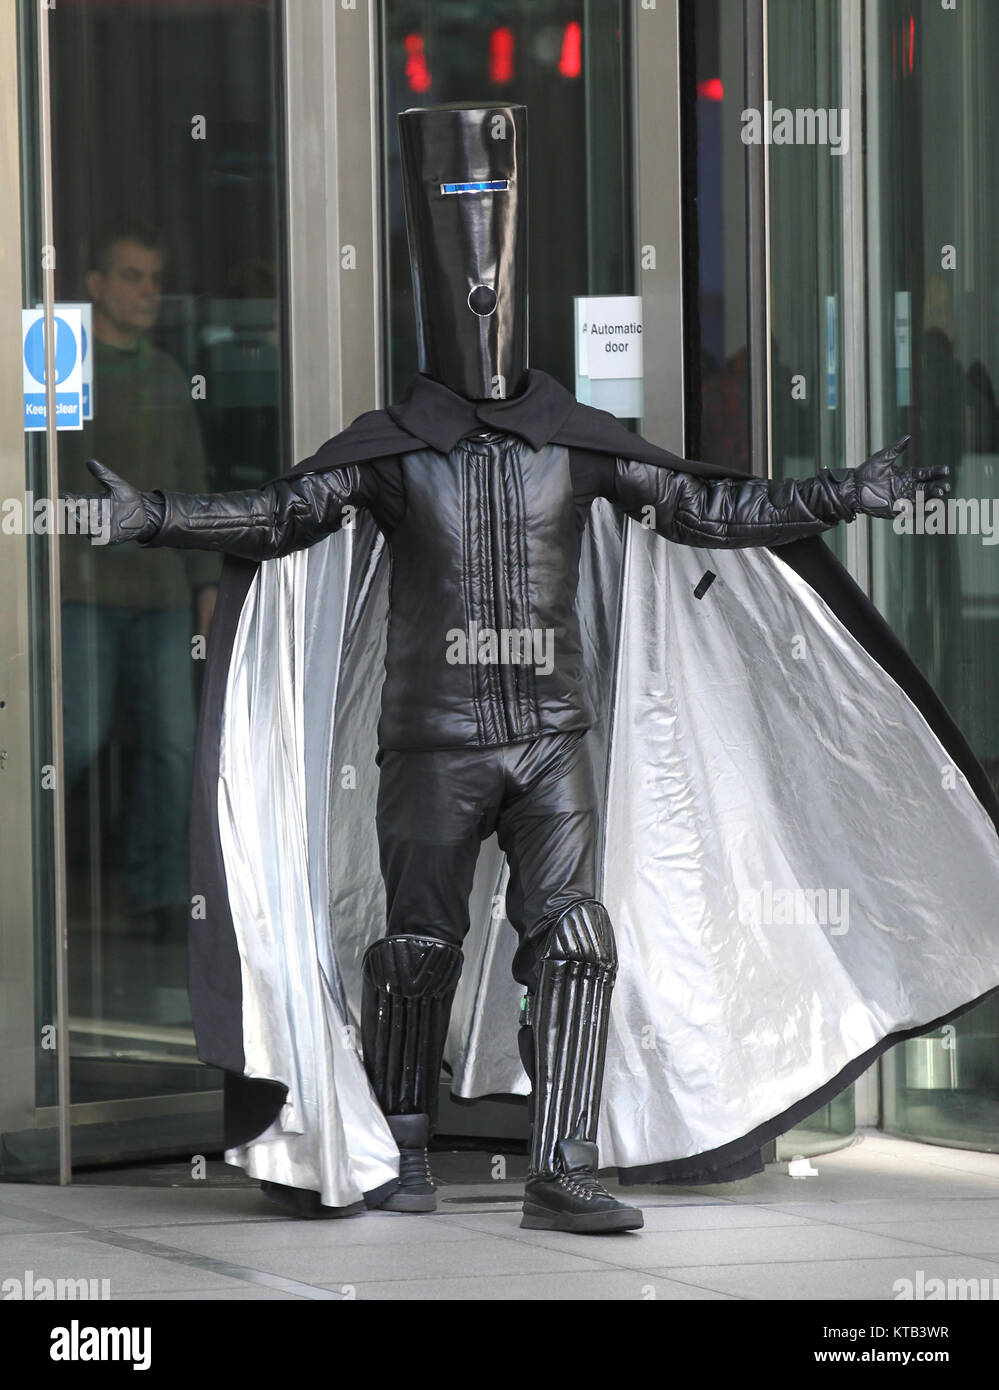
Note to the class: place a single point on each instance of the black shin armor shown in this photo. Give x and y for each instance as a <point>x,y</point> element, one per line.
<point>408,987</point>
<point>563,1033</point>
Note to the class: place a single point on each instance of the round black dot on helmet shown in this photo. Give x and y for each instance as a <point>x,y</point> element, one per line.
<point>482,300</point>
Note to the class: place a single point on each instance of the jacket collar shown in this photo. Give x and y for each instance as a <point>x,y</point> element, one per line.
<point>440,417</point>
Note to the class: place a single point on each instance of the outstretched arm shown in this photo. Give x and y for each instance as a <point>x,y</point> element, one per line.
<point>743,512</point>
<point>258,524</point>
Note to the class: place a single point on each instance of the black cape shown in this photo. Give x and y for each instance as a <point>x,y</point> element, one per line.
<point>221,964</point>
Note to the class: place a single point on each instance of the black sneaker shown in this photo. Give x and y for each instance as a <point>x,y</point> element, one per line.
<point>416,1190</point>
<point>575,1199</point>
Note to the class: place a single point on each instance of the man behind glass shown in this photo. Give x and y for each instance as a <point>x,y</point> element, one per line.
<point>127,617</point>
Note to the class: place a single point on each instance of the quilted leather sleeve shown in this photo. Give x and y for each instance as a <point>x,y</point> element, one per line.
<point>261,523</point>
<point>733,512</point>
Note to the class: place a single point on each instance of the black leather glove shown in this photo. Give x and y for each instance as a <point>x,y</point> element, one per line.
<point>135,515</point>
<point>877,485</point>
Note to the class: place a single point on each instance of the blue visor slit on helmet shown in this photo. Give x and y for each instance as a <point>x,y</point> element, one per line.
<point>480,186</point>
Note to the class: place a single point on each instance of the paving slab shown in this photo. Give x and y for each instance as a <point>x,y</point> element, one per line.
<point>855,1279</point>
<point>877,1211</point>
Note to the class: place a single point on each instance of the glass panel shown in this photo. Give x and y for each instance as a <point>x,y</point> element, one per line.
<point>565,61</point>
<point>934,333</point>
<point>823,1130</point>
<point>944,1087</point>
<point>717,415</point>
<point>806,252</point>
<point>165,145</point>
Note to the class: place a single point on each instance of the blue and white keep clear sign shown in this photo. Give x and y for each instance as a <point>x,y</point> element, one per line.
<point>86,319</point>
<point>70,347</point>
<point>609,353</point>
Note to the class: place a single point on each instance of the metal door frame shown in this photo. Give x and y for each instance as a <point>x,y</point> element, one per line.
<point>333,216</point>
<point>18,1048</point>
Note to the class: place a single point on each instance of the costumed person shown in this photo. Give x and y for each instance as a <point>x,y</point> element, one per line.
<point>666,741</point>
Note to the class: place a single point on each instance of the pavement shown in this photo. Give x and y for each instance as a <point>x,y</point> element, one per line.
<point>879,1211</point>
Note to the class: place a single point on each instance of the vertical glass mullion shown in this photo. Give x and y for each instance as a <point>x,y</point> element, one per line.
<point>55,758</point>
<point>757,87</point>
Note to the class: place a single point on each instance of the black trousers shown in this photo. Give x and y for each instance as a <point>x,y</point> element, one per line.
<point>436,807</point>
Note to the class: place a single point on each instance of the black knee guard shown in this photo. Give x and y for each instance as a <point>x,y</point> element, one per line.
<point>563,1034</point>
<point>408,985</point>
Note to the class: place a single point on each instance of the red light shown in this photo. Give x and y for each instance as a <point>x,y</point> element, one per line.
<point>912,39</point>
<point>501,55</point>
<point>570,63</point>
<point>710,89</point>
<point>417,71</point>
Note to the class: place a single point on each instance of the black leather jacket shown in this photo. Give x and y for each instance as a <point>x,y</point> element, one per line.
<point>483,644</point>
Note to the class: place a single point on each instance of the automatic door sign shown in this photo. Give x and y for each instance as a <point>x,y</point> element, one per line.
<point>609,372</point>
<point>68,368</point>
<point>609,342</point>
